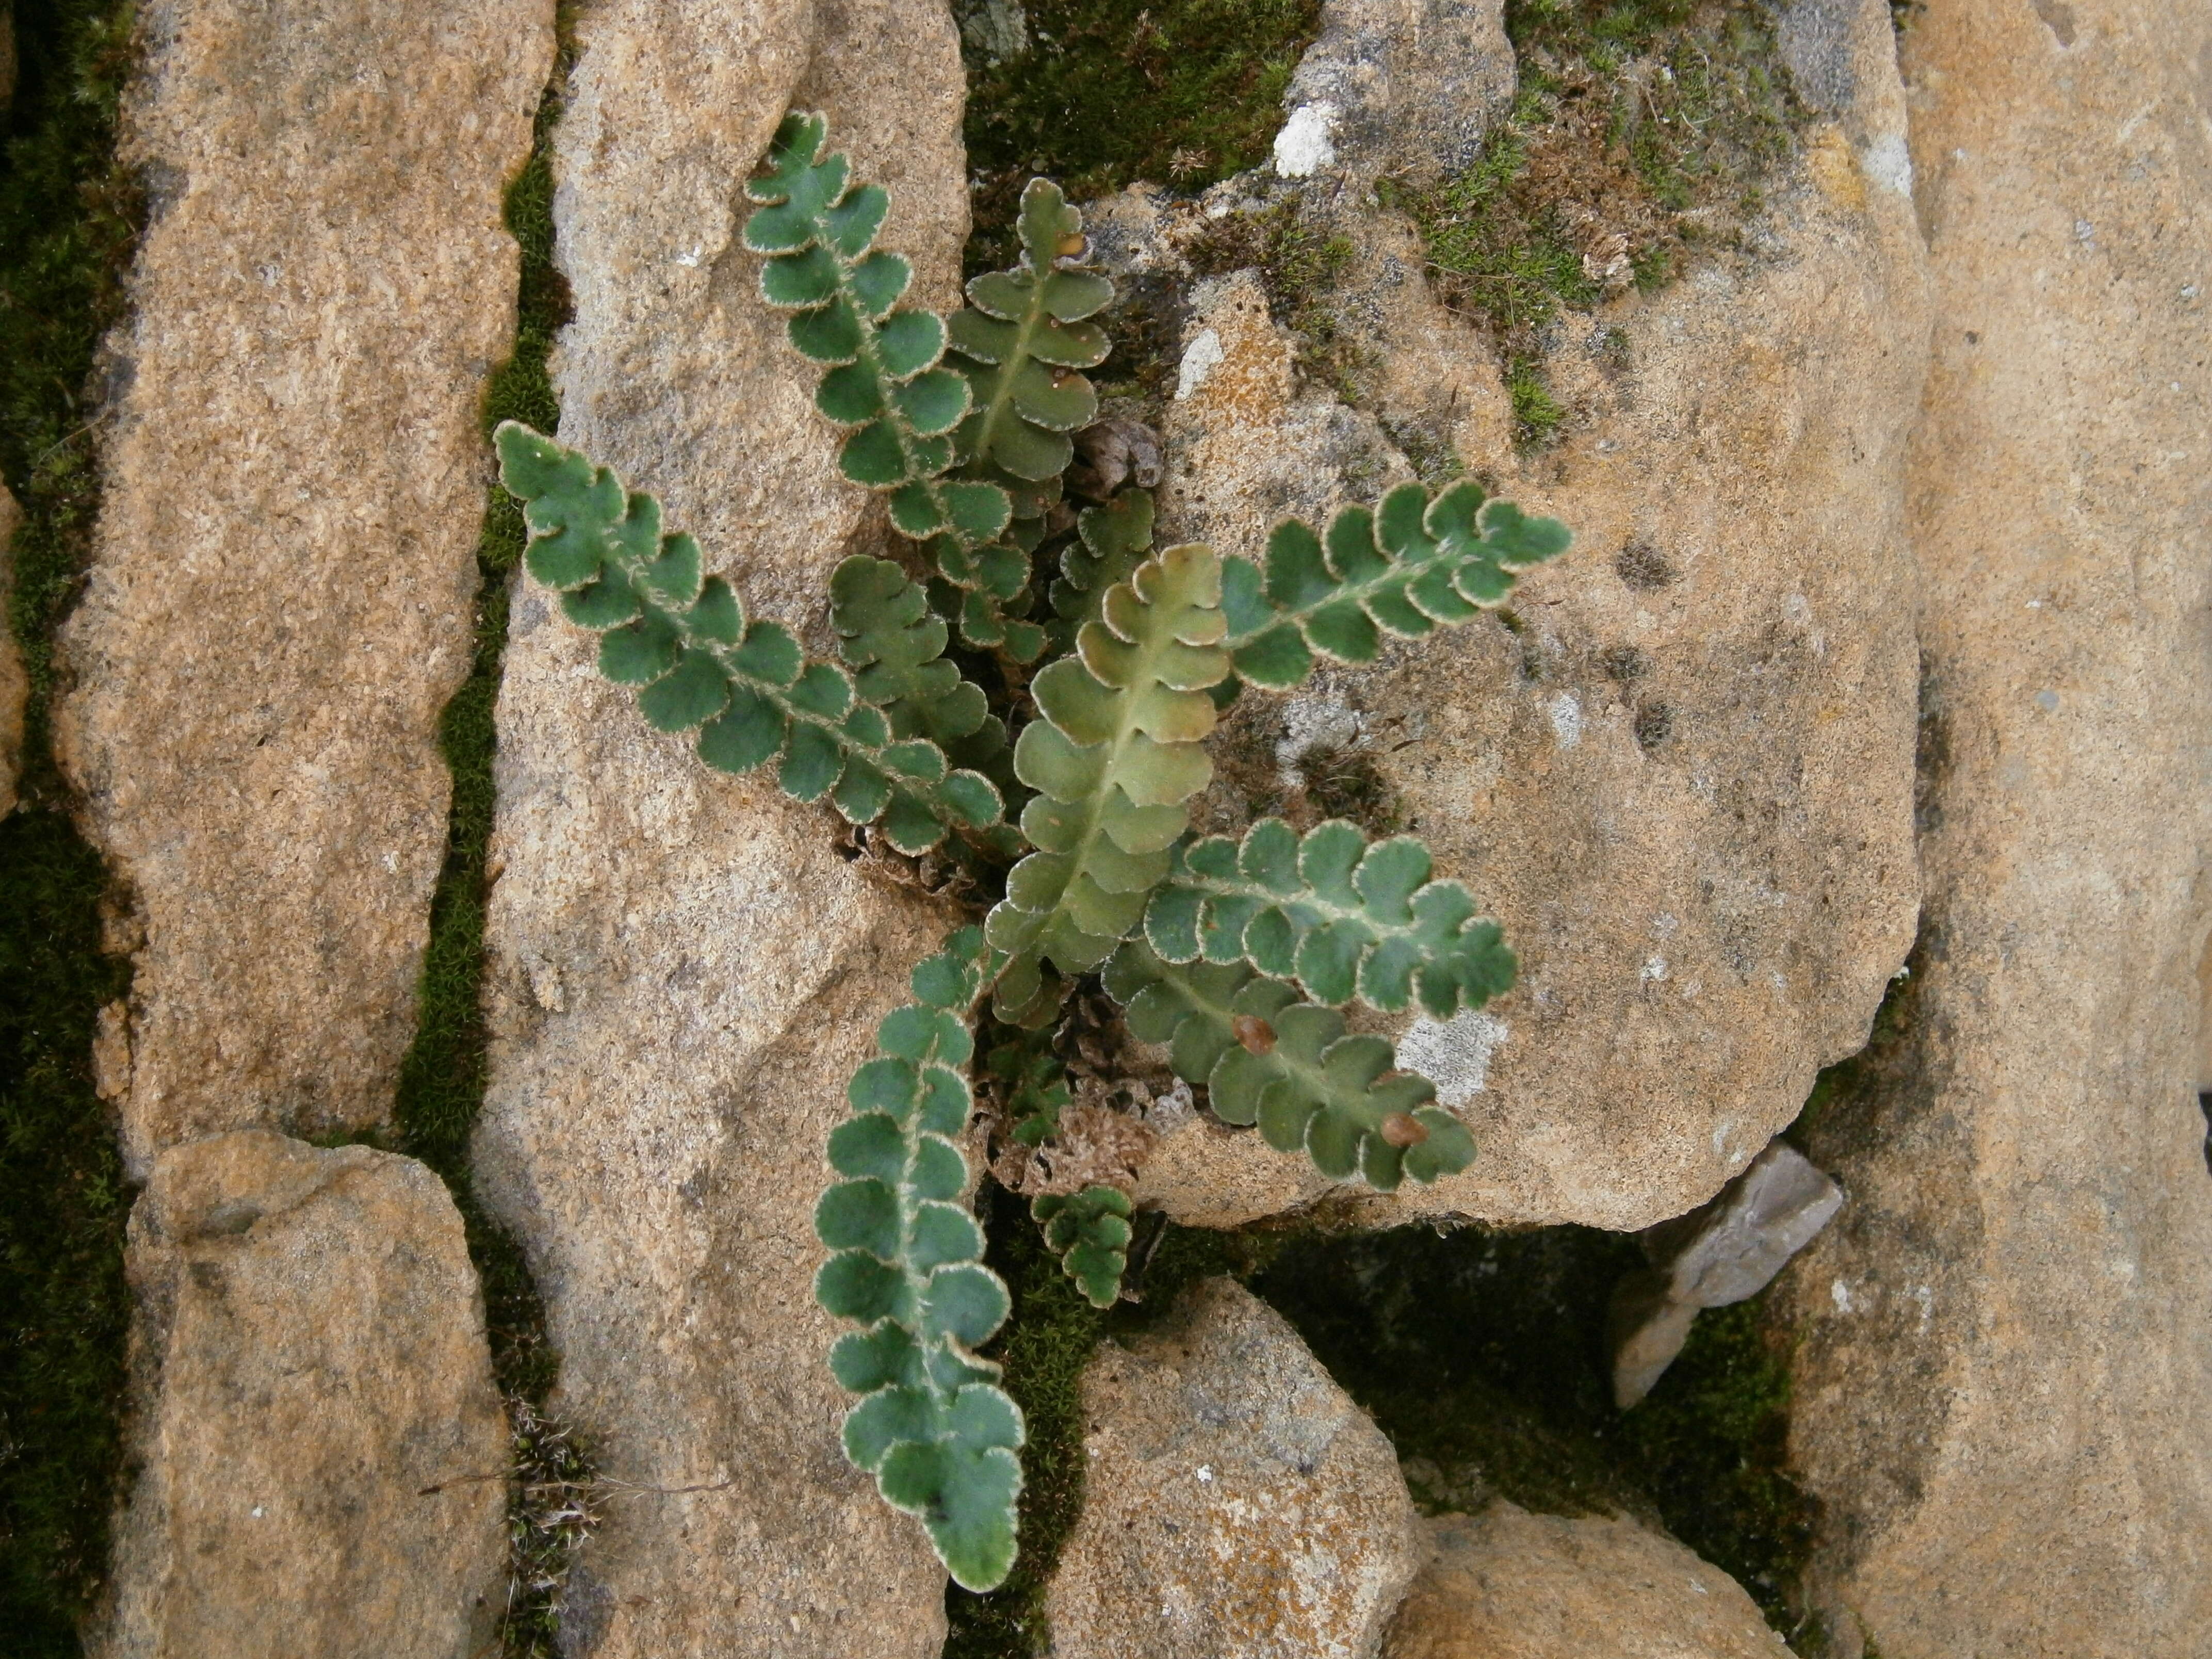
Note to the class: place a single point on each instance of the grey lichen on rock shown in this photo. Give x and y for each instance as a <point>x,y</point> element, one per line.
<point>2007,1363</point>
<point>309,1366</point>
<point>683,971</point>
<point>1506,1585</point>
<point>280,597</point>
<point>1681,774</point>
<point>1236,1501</point>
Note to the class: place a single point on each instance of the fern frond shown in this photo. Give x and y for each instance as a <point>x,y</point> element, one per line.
<point>1089,1231</point>
<point>1115,754</point>
<point>895,646</point>
<point>1110,541</point>
<point>1340,915</point>
<point>1033,1086</point>
<point>1401,568</point>
<point>1266,1058</point>
<point>933,1427</point>
<point>682,640</point>
<point>883,383</point>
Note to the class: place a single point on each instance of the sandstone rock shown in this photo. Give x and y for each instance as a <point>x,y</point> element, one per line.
<point>1682,775</point>
<point>2002,1396</point>
<point>15,685</point>
<point>1237,1505</point>
<point>683,971</point>
<point>1725,1252</point>
<point>310,1357</point>
<point>1507,1584</point>
<point>280,597</point>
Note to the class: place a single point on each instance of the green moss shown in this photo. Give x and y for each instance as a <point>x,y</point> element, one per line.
<point>1537,414</point>
<point>1044,1346</point>
<point>69,222</point>
<point>1482,1356</point>
<point>1642,131</point>
<point>1179,93</point>
<point>442,1080</point>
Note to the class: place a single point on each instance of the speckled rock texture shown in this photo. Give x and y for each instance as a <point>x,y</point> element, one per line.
<point>1681,775</point>
<point>1237,1505</point>
<point>2002,1396</point>
<point>1507,1584</point>
<point>683,971</point>
<point>311,1357</point>
<point>15,684</point>
<point>280,597</point>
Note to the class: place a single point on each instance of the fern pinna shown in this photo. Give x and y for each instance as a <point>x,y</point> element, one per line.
<point>1114,656</point>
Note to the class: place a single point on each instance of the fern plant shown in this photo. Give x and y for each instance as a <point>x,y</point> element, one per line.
<point>1114,658</point>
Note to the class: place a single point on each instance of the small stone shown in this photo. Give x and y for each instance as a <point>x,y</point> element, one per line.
<point>1295,1540</point>
<point>1403,1129</point>
<point>1507,1584</point>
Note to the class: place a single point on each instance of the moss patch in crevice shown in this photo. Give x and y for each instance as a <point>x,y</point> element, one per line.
<point>1101,94</point>
<point>1482,1356</point>
<point>1300,263</point>
<point>1642,133</point>
<point>70,219</point>
<point>442,1080</point>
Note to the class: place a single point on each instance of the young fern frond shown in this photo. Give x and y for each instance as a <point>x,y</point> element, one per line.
<point>1002,406</point>
<point>1111,541</point>
<point>1091,1231</point>
<point>682,640</point>
<point>1115,754</point>
<point>1401,568</point>
<point>1341,917</point>
<point>1033,1086</point>
<point>1267,1058</point>
<point>895,646</point>
<point>932,1427</point>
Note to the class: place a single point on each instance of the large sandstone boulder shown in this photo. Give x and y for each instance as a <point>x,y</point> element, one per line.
<point>2002,1397</point>
<point>1507,1584</point>
<point>309,1366</point>
<point>280,597</point>
<point>683,971</point>
<point>1236,1505</point>
<point>1682,778</point>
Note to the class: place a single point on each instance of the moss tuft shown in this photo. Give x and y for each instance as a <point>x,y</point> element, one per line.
<point>69,222</point>
<point>442,1080</point>
<point>1105,93</point>
<point>1300,266</point>
<point>1642,132</point>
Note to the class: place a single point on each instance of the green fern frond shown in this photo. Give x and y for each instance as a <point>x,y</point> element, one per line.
<point>1033,1084</point>
<point>1089,1231</point>
<point>1266,1058</point>
<point>682,640</point>
<point>1402,568</point>
<point>933,1426</point>
<point>895,646</point>
<point>1110,541</point>
<point>1116,752</point>
<point>1341,917</point>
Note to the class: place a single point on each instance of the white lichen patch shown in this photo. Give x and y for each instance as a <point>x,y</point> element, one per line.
<point>1307,142</point>
<point>1200,358</point>
<point>1454,1055</point>
<point>1887,164</point>
<point>1566,714</point>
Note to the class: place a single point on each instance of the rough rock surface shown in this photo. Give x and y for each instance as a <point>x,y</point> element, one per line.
<point>15,685</point>
<point>311,1356</point>
<point>1683,778</point>
<point>2003,1396</point>
<point>1236,1501</point>
<point>683,971</point>
<point>280,597</point>
<point>1507,1584</point>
